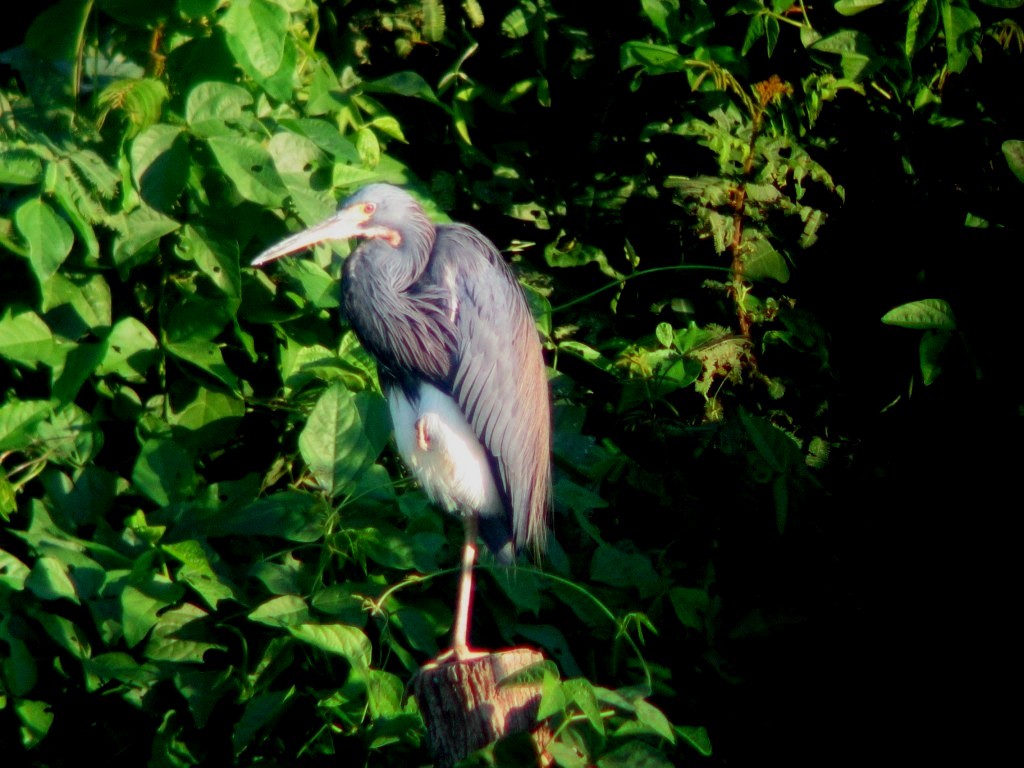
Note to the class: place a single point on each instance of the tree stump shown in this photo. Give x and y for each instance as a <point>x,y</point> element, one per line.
<point>464,709</point>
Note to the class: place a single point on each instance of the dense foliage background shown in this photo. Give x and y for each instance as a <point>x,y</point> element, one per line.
<point>770,247</point>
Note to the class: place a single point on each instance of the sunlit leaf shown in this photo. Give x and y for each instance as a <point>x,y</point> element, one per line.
<point>926,314</point>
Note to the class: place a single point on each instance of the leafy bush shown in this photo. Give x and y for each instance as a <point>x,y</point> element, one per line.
<point>209,554</point>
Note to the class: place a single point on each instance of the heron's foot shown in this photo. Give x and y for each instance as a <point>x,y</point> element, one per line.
<point>455,655</point>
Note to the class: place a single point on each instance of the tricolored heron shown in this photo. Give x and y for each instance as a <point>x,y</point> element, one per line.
<point>459,360</point>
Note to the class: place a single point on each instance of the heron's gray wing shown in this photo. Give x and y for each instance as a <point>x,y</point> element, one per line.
<point>409,332</point>
<point>499,378</point>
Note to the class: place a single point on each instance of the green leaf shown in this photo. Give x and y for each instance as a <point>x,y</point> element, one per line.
<point>205,355</point>
<point>18,419</point>
<point>250,168</point>
<point>141,603</point>
<point>853,7</point>
<point>343,437</point>
<point>340,639</point>
<point>131,350</point>
<point>26,339</point>
<point>180,636</point>
<point>691,606</point>
<point>256,33</point>
<point>283,611</point>
<point>1013,151</point>
<point>211,105</point>
<point>963,31</point>
<point>653,59</point>
<point>211,418</point>
<point>931,350</point>
<point>49,580</point>
<point>634,754</point>
<point>405,83</point>
<point>612,565</point>
<point>160,162</point>
<point>926,314</point>
<point>291,515</point>
<point>36,719</point>
<point>922,23</point>
<point>49,237</point>
<point>139,235</point>
<point>164,472</point>
<point>259,712</point>
<point>775,447</point>
<point>197,570</point>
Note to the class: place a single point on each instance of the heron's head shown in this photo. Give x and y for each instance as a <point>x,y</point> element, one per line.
<point>377,211</point>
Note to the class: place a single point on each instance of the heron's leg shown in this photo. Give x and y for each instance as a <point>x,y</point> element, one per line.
<point>464,604</point>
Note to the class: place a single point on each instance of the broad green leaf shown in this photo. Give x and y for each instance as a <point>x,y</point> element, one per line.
<point>857,55</point>
<point>164,472</point>
<point>931,349</point>
<point>853,7</point>
<point>82,302</point>
<point>180,636</point>
<point>1013,151</point>
<point>18,665</point>
<point>341,639</point>
<point>142,602</point>
<point>250,168</point>
<point>197,570</point>
<point>71,436</point>
<point>66,634</point>
<point>291,515</point>
<point>13,572</point>
<point>131,351</point>
<point>57,32</point>
<point>211,418</point>
<point>49,580</point>
<point>283,611</point>
<point>205,355</point>
<point>581,693</point>
<point>963,31</point>
<point>36,719</point>
<point>160,163</point>
<point>344,603</point>
<point>406,83</point>
<point>922,23</point>
<point>122,667</point>
<point>139,235</point>
<point>326,137</point>
<point>775,447</point>
<point>553,700</point>
<point>614,566</point>
<point>49,237</point>
<point>256,33</point>
<point>691,606</point>
<point>18,419</point>
<point>926,314</point>
<point>653,59</point>
<point>217,101</point>
<point>73,371</point>
<point>634,754</point>
<point>259,712</point>
<point>343,437</point>
<point>659,12</point>
<point>696,736</point>
<point>26,339</point>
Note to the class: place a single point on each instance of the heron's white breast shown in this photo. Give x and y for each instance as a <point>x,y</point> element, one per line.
<point>439,446</point>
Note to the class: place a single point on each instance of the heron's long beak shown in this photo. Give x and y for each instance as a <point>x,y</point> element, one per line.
<point>343,225</point>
